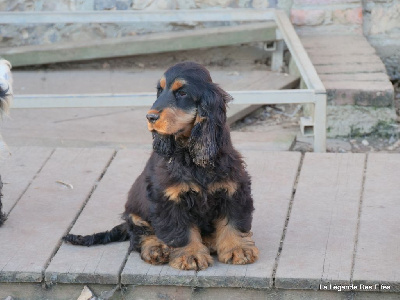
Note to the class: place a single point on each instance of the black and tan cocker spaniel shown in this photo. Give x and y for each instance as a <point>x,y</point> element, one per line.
<point>194,196</point>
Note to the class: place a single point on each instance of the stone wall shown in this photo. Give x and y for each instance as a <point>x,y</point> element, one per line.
<point>382,27</point>
<point>379,20</point>
<point>327,16</point>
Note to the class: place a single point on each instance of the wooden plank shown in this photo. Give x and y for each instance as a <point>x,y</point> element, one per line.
<point>377,259</point>
<point>138,272</point>
<point>272,81</point>
<point>100,264</point>
<point>18,171</point>
<point>141,44</point>
<point>138,81</point>
<point>320,237</point>
<point>335,50</point>
<point>326,41</point>
<point>273,176</point>
<point>355,77</point>
<point>351,68</point>
<point>274,138</point>
<point>147,99</point>
<point>343,58</point>
<point>44,213</point>
<point>129,16</point>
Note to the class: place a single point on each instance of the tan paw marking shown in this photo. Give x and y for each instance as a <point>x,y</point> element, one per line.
<point>193,256</point>
<point>154,251</point>
<point>233,246</point>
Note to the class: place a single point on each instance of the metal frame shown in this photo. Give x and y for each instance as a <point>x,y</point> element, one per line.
<point>314,94</point>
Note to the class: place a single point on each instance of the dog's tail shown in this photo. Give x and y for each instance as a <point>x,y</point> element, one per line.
<point>118,234</point>
<point>6,92</point>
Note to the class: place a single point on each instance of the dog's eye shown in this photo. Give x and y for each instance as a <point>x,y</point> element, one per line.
<point>182,93</point>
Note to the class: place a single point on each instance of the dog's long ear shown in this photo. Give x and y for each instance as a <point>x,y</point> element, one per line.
<point>163,144</point>
<point>207,135</point>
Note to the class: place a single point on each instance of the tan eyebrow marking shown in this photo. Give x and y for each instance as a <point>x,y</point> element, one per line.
<point>178,83</point>
<point>162,82</point>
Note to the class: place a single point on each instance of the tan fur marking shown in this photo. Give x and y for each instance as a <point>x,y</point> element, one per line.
<point>198,119</point>
<point>194,256</point>
<point>154,251</point>
<point>163,82</point>
<point>172,121</point>
<point>229,186</point>
<point>173,192</point>
<point>234,246</point>
<point>138,221</point>
<point>210,242</point>
<point>178,83</point>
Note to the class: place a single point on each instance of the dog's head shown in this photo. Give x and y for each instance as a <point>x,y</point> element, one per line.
<point>189,107</point>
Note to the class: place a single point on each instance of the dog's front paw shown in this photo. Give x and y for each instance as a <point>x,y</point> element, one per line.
<point>191,261</point>
<point>154,252</point>
<point>239,255</point>
<point>237,248</point>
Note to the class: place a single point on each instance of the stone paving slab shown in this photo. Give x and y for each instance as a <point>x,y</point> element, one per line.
<point>35,226</point>
<point>320,237</point>
<point>100,264</point>
<point>273,175</point>
<point>18,171</point>
<point>377,260</point>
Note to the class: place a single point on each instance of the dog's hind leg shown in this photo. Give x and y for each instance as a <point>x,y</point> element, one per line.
<point>142,239</point>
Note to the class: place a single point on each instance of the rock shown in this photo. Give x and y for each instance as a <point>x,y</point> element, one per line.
<point>307,17</point>
<point>86,294</point>
<point>123,5</point>
<point>260,4</point>
<point>104,4</point>
<point>365,142</point>
<point>394,146</point>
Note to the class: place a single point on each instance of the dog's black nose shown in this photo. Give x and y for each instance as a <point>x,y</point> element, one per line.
<point>152,117</point>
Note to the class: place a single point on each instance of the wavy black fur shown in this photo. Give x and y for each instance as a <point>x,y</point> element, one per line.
<point>204,158</point>
<point>3,216</point>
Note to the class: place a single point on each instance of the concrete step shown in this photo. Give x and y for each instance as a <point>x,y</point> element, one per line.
<point>322,222</point>
<point>350,69</point>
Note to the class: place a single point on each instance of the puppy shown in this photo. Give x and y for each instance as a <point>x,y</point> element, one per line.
<point>193,198</point>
